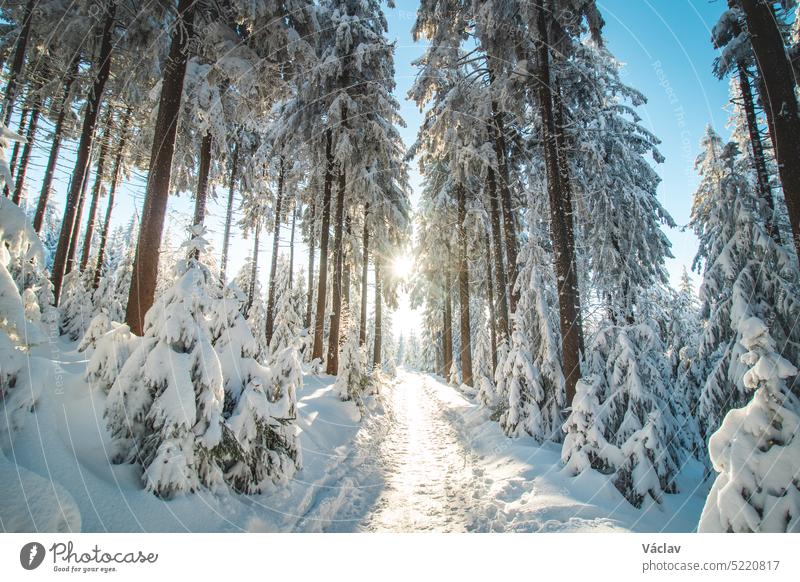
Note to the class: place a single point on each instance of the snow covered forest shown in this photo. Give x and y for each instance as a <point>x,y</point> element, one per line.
<point>152,378</point>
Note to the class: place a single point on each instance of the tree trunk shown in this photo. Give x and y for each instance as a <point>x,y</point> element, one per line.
<point>322,284</point>
<point>559,230</point>
<point>33,123</point>
<point>18,62</point>
<point>346,266</point>
<point>98,269</point>
<point>312,240</point>
<point>98,182</point>
<point>291,245</point>
<point>447,338</point>
<point>759,160</point>
<point>569,211</point>
<point>12,164</point>
<point>499,267</point>
<point>84,150</point>
<point>338,268</point>
<point>509,225</point>
<point>273,269</point>
<point>226,237</point>
<point>201,196</point>
<point>463,291</point>
<point>492,311</point>
<point>781,105</point>
<point>251,292</point>
<point>145,264</point>
<point>44,194</point>
<point>377,349</point>
<point>362,331</point>
<point>76,226</point>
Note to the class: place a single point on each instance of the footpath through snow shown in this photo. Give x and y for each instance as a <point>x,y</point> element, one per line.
<point>424,458</point>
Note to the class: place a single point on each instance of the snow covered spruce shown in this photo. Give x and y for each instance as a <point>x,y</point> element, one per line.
<point>190,405</point>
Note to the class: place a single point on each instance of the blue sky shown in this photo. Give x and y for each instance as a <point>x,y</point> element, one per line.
<point>667,55</point>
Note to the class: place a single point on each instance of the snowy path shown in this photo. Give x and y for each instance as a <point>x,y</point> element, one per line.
<point>430,478</point>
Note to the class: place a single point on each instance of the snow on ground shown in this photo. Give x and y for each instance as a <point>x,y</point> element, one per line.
<point>424,458</point>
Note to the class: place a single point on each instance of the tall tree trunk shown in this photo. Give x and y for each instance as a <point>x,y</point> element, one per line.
<point>312,240</point>
<point>18,62</point>
<point>346,267</point>
<point>291,245</point>
<point>201,196</point>
<point>145,264</point>
<point>447,337</point>
<point>322,284</point>
<point>33,123</point>
<point>757,147</point>
<point>509,224</point>
<point>84,150</point>
<point>463,291</point>
<point>226,237</point>
<point>569,310</point>
<point>251,292</point>
<point>569,211</point>
<point>101,252</point>
<point>76,226</point>
<point>377,349</point>
<point>499,267</point>
<point>781,105</point>
<point>362,330</point>
<point>273,269</point>
<point>338,267</point>
<point>492,310</point>
<point>63,107</point>
<point>15,149</point>
<point>98,183</point>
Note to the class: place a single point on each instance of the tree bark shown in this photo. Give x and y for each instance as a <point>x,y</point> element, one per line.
<point>145,264</point>
<point>84,150</point>
<point>362,331</point>
<point>76,226</point>
<point>559,230</point>
<point>98,182</point>
<point>781,105</point>
<point>251,292</point>
<point>201,196</point>
<point>377,349</point>
<point>226,237</point>
<point>463,291</point>
<point>12,164</point>
<point>273,269</point>
<point>447,337</point>
<point>322,284</point>
<point>291,245</point>
<point>338,268</point>
<point>18,62</point>
<point>509,225</point>
<point>33,124</point>
<point>499,267</point>
<point>44,194</point>
<point>123,138</point>
<point>492,310</point>
<point>312,241</point>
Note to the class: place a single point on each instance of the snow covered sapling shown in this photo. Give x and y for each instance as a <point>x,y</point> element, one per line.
<point>19,390</point>
<point>263,423</point>
<point>757,449</point>
<point>165,407</point>
<point>351,381</point>
<point>482,368</point>
<point>288,325</point>
<point>75,306</point>
<point>523,387</point>
<point>636,412</point>
<point>99,326</point>
<point>111,352</point>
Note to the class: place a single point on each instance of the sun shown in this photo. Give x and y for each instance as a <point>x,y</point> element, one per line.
<point>403,266</point>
